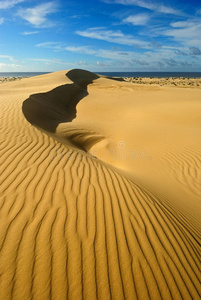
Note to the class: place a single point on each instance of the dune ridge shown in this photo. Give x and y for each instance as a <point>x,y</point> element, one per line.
<point>74,226</point>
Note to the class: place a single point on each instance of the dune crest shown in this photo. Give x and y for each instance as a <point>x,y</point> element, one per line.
<point>100,194</point>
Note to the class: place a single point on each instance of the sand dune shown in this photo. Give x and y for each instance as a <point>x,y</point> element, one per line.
<point>100,189</point>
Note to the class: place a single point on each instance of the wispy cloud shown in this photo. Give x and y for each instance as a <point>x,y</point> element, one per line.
<point>47,44</point>
<point>29,32</point>
<point>167,59</point>
<point>8,67</point>
<point>154,6</point>
<point>37,15</point>
<point>5,4</point>
<point>1,21</point>
<point>195,51</point>
<point>49,61</point>
<point>82,62</point>
<point>103,64</point>
<point>139,19</point>
<point>113,37</point>
<point>140,62</point>
<point>103,53</point>
<point>81,49</point>
<point>180,53</point>
<point>187,32</point>
<point>56,46</point>
<point>186,23</point>
<point>9,58</point>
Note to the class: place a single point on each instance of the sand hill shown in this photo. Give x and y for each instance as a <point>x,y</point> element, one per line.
<point>100,189</point>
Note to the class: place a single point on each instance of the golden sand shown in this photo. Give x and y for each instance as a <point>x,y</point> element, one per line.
<point>100,189</point>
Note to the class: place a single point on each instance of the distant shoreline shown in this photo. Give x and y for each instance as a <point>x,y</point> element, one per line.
<point>152,74</point>
<point>21,74</point>
<point>161,81</point>
<point>113,74</point>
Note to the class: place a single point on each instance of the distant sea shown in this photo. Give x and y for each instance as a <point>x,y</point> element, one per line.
<point>114,74</point>
<point>21,74</point>
<point>152,74</point>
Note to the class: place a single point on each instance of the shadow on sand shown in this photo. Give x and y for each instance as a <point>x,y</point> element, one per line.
<point>48,110</point>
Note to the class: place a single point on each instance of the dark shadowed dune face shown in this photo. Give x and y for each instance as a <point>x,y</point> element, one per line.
<point>47,110</point>
<point>81,77</point>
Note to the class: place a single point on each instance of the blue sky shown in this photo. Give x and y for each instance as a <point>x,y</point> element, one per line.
<point>100,35</point>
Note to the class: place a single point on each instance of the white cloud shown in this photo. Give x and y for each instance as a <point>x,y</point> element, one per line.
<point>29,32</point>
<point>99,53</point>
<point>166,59</point>
<point>82,62</point>
<point>50,61</point>
<point>47,44</point>
<point>187,32</point>
<point>1,20</point>
<point>8,67</point>
<point>37,15</point>
<point>154,6</point>
<point>82,49</point>
<point>140,62</point>
<point>113,37</point>
<point>103,53</point>
<point>103,64</point>
<point>184,24</point>
<point>140,19</point>
<point>9,58</point>
<point>56,46</point>
<point>123,55</point>
<point>5,4</point>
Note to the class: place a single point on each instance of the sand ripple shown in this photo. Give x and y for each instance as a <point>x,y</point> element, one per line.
<point>73,227</point>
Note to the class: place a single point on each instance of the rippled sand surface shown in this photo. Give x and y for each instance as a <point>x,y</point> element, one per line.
<point>100,189</point>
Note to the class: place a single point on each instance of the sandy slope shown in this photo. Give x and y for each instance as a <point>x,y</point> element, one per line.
<point>100,189</point>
